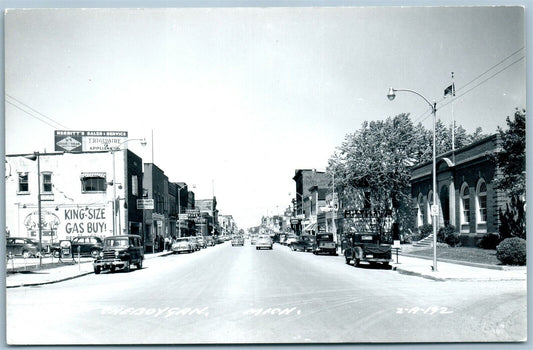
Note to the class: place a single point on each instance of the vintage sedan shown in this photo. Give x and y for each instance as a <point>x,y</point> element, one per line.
<point>263,241</point>
<point>201,242</point>
<point>27,247</point>
<point>181,245</point>
<point>291,239</point>
<point>304,243</point>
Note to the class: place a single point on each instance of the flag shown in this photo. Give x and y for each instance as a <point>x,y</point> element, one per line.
<point>450,90</point>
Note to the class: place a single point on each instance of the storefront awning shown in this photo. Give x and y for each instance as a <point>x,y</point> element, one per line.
<point>311,227</point>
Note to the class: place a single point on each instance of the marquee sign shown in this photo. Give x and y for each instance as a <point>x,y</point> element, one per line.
<point>87,141</point>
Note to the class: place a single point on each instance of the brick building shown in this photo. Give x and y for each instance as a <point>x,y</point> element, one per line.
<point>466,196</point>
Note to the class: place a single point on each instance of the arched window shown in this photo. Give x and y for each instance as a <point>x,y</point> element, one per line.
<point>430,203</point>
<point>420,210</point>
<point>465,208</point>
<point>481,206</point>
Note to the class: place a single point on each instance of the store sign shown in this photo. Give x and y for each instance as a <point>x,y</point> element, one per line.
<point>87,141</point>
<point>145,204</point>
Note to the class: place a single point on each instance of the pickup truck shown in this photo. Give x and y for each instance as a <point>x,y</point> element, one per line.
<point>325,244</point>
<point>366,247</point>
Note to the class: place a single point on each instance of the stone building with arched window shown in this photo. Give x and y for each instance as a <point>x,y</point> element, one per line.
<point>466,196</point>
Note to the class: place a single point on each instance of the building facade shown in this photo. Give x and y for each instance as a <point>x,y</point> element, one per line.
<point>82,193</point>
<point>311,188</point>
<point>156,221</point>
<point>466,196</point>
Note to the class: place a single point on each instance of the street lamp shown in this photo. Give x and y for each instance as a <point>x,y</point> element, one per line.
<point>113,150</point>
<point>34,157</point>
<point>434,208</point>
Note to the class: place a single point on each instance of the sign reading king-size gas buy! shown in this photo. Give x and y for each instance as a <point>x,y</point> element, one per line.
<point>87,141</point>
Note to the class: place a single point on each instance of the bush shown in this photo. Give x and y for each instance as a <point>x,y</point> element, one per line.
<point>512,251</point>
<point>448,235</point>
<point>489,241</point>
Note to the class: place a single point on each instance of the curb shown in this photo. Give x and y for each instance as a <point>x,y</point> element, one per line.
<point>22,284</point>
<point>49,282</point>
<point>419,274</point>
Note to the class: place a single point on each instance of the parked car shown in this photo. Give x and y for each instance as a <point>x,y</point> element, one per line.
<point>201,242</point>
<point>182,244</point>
<point>237,240</point>
<point>210,241</point>
<point>194,243</point>
<point>89,245</point>
<point>253,240</point>
<point>291,239</point>
<point>263,241</point>
<point>27,247</point>
<point>325,244</point>
<point>121,251</point>
<point>304,243</point>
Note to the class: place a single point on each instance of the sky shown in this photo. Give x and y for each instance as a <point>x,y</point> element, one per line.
<point>237,99</point>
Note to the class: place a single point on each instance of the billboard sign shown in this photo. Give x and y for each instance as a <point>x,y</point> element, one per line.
<point>87,141</point>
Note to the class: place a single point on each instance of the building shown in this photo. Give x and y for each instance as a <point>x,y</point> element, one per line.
<point>82,193</point>
<point>466,197</point>
<point>156,221</point>
<point>311,188</point>
<point>207,224</point>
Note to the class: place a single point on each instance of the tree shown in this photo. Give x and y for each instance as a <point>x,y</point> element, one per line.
<point>373,164</point>
<point>511,160</point>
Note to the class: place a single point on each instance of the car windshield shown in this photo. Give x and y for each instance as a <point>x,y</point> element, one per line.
<point>180,240</point>
<point>116,242</point>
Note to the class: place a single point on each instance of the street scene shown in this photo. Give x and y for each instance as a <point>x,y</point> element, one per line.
<point>265,175</point>
<point>226,294</point>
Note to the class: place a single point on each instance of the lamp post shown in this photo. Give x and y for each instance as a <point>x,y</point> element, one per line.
<point>113,150</point>
<point>434,208</point>
<point>36,156</point>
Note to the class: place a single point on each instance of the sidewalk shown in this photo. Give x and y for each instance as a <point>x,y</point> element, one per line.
<point>456,271</point>
<point>58,273</point>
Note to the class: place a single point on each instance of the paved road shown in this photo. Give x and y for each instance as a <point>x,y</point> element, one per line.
<point>227,294</point>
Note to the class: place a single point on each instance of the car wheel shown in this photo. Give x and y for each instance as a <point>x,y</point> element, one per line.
<point>113,269</point>
<point>356,262</point>
<point>26,254</point>
<point>97,270</point>
<point>95,253</point>
<point>56,253</point>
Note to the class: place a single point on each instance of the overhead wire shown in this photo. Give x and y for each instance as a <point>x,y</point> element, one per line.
<point>427,113</point>
<point>34,110</point>
<point>30,114</point>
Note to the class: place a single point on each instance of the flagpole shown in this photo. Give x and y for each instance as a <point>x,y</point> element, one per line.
<point>453,123</point>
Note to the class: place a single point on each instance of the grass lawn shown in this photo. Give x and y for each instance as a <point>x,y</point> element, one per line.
<point>474,255</point>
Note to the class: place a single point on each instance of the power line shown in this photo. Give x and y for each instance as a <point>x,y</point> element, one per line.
<point>423,116</point>
<point>36,111</point>
<point>483,81</point>
<point>36,117</point>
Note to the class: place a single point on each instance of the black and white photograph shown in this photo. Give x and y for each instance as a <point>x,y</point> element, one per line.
<point>251,175</point>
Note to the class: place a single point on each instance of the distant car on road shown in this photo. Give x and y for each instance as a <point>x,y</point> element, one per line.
<point>27,247</point>
<point>237,240</point>
<point>182,245</point>
<point>304,243</point>
<point>253,240</point>
<point>263,241</point>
